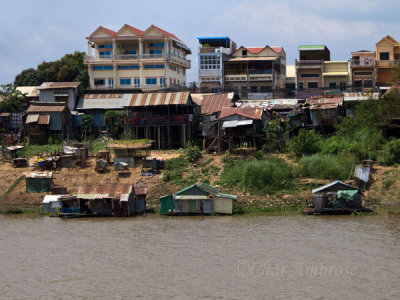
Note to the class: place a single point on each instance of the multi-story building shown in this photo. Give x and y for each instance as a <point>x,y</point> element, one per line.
<point>257,73</point>
<point>131,58</point>
<point>335,76</point>
<point>310,66</point>
<point>363,70</point>
<point>213,52</point>
<point>387,57</point>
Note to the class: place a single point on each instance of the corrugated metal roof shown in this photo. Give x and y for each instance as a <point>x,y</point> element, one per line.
<point>329,185</point>
<point>311,47</point>
<point>250,112</point>
<point>214,102</point>
<point>236,123</point>
<point>11,148</point>
<point>5,114</point>
<point>32,118</point>
<point>324,100</point>
<point>46,108</point>
<point>324,106</point>
<point>44,120</point>
<point>30,91</point>
<point>115,191</point>
<point>250,58</point>
<point>103,101</point>
<point>198,97</point>
<point>39,175</point>
<point>156,99</point>
<point>58,85</point>
<point>140,191</point>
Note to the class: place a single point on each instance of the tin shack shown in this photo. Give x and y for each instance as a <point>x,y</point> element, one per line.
<point>337,198</point>
<point>199,198</point>
<point>117,200</point>
<point>39,182</point>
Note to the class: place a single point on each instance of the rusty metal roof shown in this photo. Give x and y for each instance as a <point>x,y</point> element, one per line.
<point>44,120</point>
<point>114,191</point>
<point>250,112</point>
<point>103,101</point>
<point>46,108</point>
<point>325,100</point>
<point>215,102</point>
<point>58,85</point>
<point>156,99</point>
<point>5,114</point>
<point>140,191</point>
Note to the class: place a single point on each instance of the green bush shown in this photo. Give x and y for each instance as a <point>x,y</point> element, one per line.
<point>305,143</point>
<point>391,153</point>
<point>325,166</point>
<point>192,153</point>
<point>263,176</point>
<point>258,154</point>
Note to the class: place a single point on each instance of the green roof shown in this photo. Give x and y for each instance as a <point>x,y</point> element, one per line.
<point>312,47</point>
<point>202,186</point>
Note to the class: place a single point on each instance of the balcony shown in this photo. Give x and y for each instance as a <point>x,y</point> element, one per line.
<point>159,120</point>
<point>210,72</point>
<point>182,60</point>
<point>152,55</point>
<point>260,77</point>
<point>309,64</point>
<point>204,50</point>
<point>363,62</point>
<point>238,77</point>
<point>126,56</point>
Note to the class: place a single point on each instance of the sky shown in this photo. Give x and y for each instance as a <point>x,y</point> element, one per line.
<point>33,31</point>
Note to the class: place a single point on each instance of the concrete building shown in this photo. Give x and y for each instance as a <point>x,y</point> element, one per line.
<point>257,73</point>
<point>387,56</point>
<point>363,70</point>
<point>335,76</point>
<point>134,59</point>
<point>291,80</point>
<point>66,93</point>
<point>213,52</point>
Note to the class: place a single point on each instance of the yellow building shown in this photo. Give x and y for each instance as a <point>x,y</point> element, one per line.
<point>131,58</point>
<point>335,76</point>
<point>387,56</point>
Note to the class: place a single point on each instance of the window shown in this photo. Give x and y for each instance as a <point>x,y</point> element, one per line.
<point>156,45</point>
<point>362,73</point>
<point>343,86</point>
<point>253,89</point>
<point>155,53</point>
<point>172,67</point>
<point>312,85</point>
<point>110,83</point>
<point>153,67</point>
<point>105,46</point>
<point>210,61</point>
<point>133,67</point>
<point>357,83</point>
<point>124,81</point>
<point>309,75</point>
<point>130,52</point>
<point>244,52</point>
<point>99,68</point>
<point>332,85</point>
<point>162,81</point>
<point>105,54</point>
<point>384,55</point>
<point>301,86</point>
<point>137,82</point>
<point>151,80</point>
<point>98,82</point>
<point>368,83</point>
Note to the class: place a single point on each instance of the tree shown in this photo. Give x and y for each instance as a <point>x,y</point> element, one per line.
<point>87,121</point>
<point>305,143</point>
<point>70,67</point>
<point>114,119</point>
<point>12,99</point>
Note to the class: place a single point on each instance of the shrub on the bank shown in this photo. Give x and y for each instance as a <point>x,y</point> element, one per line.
<point>305,143</point>
<point>258,154</point>
<point>257,177</point>
<point>325,166</point>
<point>192,153</point>
<point>391,153</point>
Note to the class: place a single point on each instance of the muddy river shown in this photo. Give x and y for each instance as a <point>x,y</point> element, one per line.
<point>280,256</point>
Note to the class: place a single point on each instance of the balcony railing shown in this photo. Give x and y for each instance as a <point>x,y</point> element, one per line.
<point>363,62</point>
<point>317,63</point>
<point>69,210</point>
<point>215,50</point>
<point>159,120</point>
<point>152,55</point>
<point>126,56</point>
<point>181,60</point>
<point>394,62</point>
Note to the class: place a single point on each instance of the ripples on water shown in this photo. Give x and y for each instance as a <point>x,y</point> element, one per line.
<point>286,256</point>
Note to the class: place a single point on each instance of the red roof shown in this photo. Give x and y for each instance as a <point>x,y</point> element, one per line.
<point>137,31</point>
<point>113,33</point>
<point>249,112</point>
<point>215,102</point>
<point>255,50</point>
<point>277,49</point>
<point>166,32</point>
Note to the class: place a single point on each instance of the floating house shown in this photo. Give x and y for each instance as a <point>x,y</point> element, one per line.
<point>337,198</point>
<point>199,198</point>
<point>52,202</point>
<point>117,200</point>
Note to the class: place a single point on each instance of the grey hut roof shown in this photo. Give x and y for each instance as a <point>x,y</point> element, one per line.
<point>332,184</point>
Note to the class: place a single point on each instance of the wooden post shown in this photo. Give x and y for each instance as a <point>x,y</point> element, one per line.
<point>159,138</point>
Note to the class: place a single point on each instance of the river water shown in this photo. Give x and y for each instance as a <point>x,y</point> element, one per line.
<point>279,256</point>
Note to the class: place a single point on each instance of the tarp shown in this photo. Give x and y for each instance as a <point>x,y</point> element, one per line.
<point>348,195</point>
<point>167,204</point>
<point>362,173</point>
<point>38,185</point>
